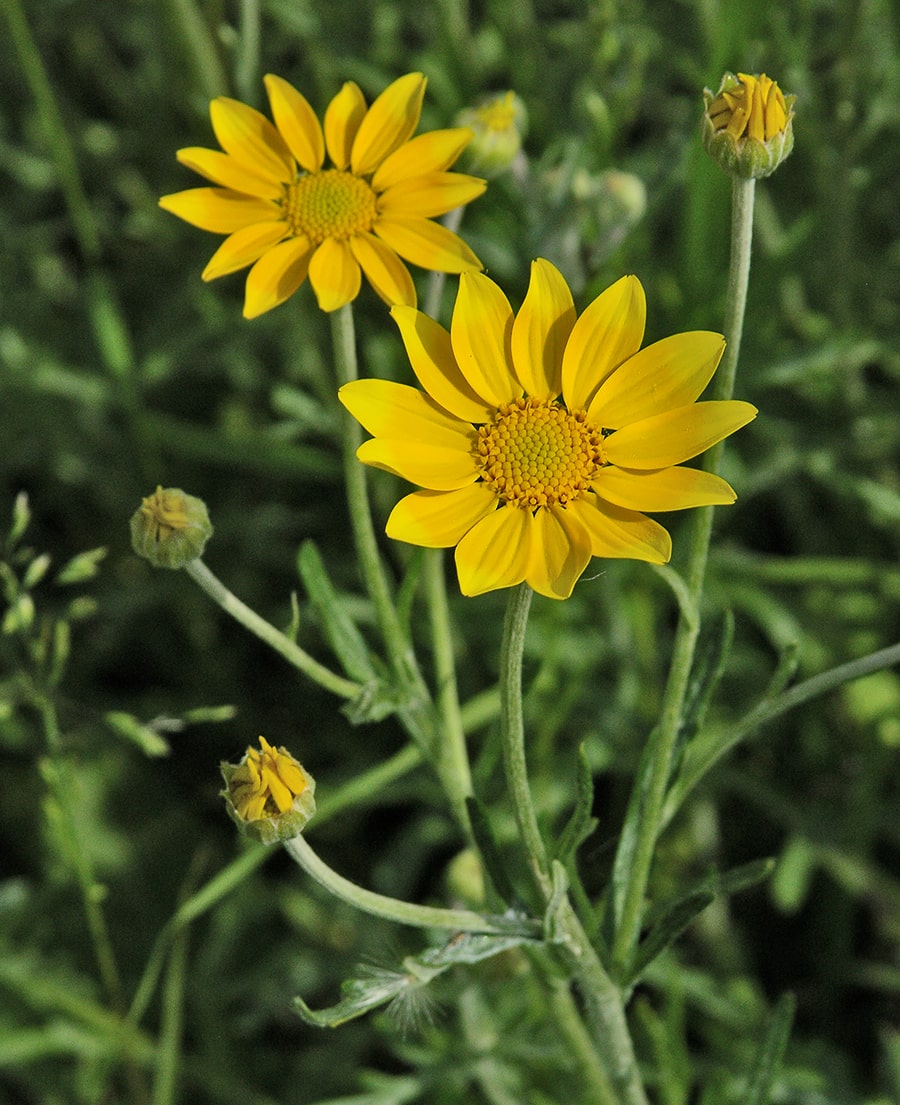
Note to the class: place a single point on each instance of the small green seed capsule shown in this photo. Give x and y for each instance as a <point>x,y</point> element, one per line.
<point>170,528</point>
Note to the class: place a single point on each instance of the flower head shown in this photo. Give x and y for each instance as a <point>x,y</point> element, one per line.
<point>170,528</point>
<point>290,215</point>
<point>268,794</point>
<point>539,439</point>
<point>498,125</point>
<point>748,124</point>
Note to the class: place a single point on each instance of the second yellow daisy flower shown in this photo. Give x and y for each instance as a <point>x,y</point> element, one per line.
<point>290,216</point>
<point>539,439</point>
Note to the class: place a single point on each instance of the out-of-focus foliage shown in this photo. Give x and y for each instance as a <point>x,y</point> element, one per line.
<point>120,371</point>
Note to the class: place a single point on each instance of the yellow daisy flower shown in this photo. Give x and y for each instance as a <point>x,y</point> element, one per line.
<point>539,438</point>
<point>290,216</point>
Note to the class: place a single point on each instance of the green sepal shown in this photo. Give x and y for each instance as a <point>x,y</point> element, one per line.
<point>339,628</point>
<point>580,824</point>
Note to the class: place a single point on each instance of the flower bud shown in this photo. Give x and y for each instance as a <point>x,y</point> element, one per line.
<point>268,795</point>
<point>748,125</point>
<point>498,126</point>
<point>170,528</point>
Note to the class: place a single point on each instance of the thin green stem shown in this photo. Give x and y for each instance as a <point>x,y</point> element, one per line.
<point>393,909</point>
<point>452,751</point>
<point>55,132</point>
<point>512,737</point>
<point>274,638</point>
<point>621,1083</point>
<point>648,800</point>
<point>247,64</point>
<point>395,638</point>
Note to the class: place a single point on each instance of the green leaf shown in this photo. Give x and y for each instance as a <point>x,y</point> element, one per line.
<point>147,739</point>
<point>709,664</point>
<point>381,985</point>
<point>490,851</point>
<point>82,567</point>
<point>771,1052</point>
<point>670,920</point>
<point>580,824</point>
<point>340,630</point>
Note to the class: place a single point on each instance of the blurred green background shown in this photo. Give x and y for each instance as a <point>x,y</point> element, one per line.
<point>119,370</point>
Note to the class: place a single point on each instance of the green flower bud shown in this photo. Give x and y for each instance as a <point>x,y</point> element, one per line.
<point>748,125</point>
<point>170,528</point>
<point>268,795</point>
<point>498,126</point>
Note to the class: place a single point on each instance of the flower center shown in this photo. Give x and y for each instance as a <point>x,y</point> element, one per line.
<point>536,453</point>
<point>329,204</point>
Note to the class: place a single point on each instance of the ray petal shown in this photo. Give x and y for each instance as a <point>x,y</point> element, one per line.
<point>432,152</point>
<point>426,244</point>
<point>334,274</point>
<point>219,210</point>
<point>250,138</point>
<point>677,435</point>
<point>673,488</point>
<point>276,276</point>
<point>342,118</point>
<point>480,334</point>
<point>440,519</point>
<point>243,247</point>
<point>384,270</point>
<point>541,330</point>
<point>431,194</point>
<point>222,169</point>
<point>391,410</point>
<point>560,551</point>
<point>616,532</point>
<point>389,122</point>
<point>495,553</point>
<point>297,123</point>
<point>430,466</point>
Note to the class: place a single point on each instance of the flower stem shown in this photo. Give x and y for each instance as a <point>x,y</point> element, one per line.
<point>633,863</point>
<point>512,738</point>
<point>406,913</point>
<point>620,1082</point>
<point>453,754</point>
<point>274,638</point>
<point>417,711</point>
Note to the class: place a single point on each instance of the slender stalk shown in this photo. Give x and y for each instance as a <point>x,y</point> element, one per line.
<point>274,638</point>
<point>406,913</point>
<point>633,870</point>
<point>395,639</point>
<point>620,1082</point>
<point>453,755</point>
<point>247,62</point>
<point>512,737</point>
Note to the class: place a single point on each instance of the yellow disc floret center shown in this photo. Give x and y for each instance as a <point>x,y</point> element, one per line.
<point>535,453</point>
<point>329,204</point>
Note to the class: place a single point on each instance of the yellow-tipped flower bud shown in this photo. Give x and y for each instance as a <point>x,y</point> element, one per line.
<point>748,125</point>
<point>170,528</point>
<point>498,126</point>
<point>269,795</point>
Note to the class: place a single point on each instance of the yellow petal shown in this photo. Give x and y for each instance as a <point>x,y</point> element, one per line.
<point>426,244</point>
<point>495,552</point>
<point>541,330</point>
<point>342,118</point>
<point>670,373</point>
<point>430,195</point>
<point>560,551</point>
<point>276,276</point>
<point>677,435</point>
<point>431,356</point>
<point>222,169</point>
<point>390,410</point>
<point>426,153</point>
<point>480,333</point>
<point>334,274</point>
<point>250,138</point>
<point>616,532</point>
<point>281,795</point>
<point>610,330</point>
<point>661,489</point>
<point>243,248</point>
<point>430,466</point>
<point>440,519</point>
<point>297,123</point>
<point>219,210</point>
<point>388,123</point>
<point>384,270</point>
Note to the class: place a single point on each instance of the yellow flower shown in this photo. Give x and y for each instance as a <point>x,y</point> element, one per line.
<point>290,216</point>
<point>540,438</point>
<point>748,124</point>
<point>269,794</point>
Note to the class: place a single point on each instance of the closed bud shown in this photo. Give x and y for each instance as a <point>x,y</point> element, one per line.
<point>170,528</point>
<point>748,125</point>
<point>498,126</point>
<point>268,795</point>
